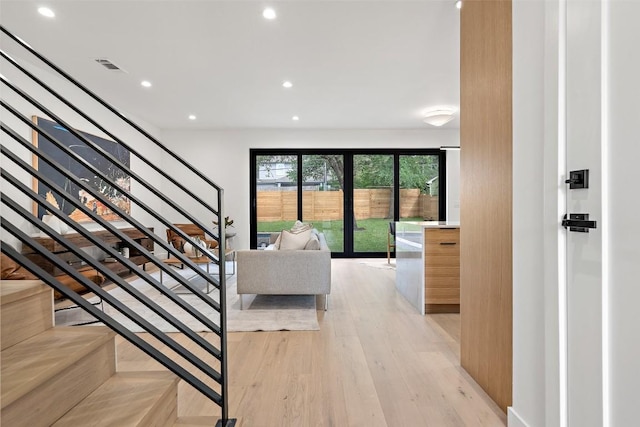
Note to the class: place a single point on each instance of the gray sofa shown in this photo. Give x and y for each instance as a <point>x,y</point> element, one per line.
<point>285,272</point>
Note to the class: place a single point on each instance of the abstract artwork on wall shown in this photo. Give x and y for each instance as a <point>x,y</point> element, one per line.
<point>83,150</point>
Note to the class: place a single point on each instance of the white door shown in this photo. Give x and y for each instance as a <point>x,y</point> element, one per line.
<point>603,265</point>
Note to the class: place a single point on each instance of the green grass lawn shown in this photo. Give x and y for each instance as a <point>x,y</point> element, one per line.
<point>371,235</point>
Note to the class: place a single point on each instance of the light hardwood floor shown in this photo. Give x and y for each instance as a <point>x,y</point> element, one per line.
<point>375,362</point>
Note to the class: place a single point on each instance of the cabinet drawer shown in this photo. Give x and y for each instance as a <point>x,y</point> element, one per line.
<point>442,242</point>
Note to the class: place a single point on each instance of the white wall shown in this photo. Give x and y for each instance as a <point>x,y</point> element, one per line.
<point>224,155</point>
<point>105,118</point>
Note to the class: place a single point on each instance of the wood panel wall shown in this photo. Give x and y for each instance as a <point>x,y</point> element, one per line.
<point>486,195</point>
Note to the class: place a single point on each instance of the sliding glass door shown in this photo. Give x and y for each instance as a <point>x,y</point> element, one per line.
<point>276,184</point>
<point>373,191</point>
<point>323,196</point>
<point>349,195</point>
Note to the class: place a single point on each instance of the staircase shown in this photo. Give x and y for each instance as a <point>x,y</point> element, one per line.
<point>67,375</point>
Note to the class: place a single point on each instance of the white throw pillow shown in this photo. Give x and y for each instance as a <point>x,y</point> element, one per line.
<point>296,228</point>
<point>290,241</point>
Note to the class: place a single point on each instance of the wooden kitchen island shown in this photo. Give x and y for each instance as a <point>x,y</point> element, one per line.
<point>428,265</point>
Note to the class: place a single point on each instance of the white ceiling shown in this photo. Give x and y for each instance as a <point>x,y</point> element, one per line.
<point>354,64</point>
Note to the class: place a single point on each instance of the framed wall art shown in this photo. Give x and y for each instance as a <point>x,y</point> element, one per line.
<point>113,172</point>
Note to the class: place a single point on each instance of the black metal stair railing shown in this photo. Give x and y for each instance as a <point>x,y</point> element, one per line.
<point>17,195</point>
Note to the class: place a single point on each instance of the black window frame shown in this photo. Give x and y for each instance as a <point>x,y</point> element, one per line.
<point>348,183</point>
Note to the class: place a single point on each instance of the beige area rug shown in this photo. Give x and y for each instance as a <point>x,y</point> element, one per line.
<point>261,313</point>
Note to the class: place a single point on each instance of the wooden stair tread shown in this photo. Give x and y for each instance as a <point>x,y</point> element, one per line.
<point>14,290</point>
<point>124,400</point>
<point>30,363</point>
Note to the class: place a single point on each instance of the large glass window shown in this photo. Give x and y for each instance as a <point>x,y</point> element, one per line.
<point>276,195</point>
<point>323,196</point>
<point>372,201</point>
<point>349,195</point>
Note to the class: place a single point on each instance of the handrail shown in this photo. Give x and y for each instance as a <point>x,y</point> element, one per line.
<point>220,354</point>
<point>64,267</point>
<point>108,107</point>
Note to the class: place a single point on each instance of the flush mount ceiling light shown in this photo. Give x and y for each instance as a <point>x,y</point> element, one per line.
<point>192,117</point>
<point>45,11</point>
<point>269,14</point>
<point>438,117</point>
<point>145,83</point>
<point>287,84</point>
<point>295,118</point>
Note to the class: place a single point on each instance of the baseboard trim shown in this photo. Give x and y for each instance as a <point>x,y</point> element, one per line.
<point>513,419</point>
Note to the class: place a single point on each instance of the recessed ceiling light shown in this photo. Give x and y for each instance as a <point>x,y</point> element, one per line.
<point>459,4</point>
<point>295,118</point>
<point>192,117</point>
<point>287,84</point>
<point>269,13</point>
<point>146,83</point>
<point>45,11</point>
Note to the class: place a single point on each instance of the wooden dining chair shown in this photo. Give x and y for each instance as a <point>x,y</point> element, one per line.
<point>391,240</point>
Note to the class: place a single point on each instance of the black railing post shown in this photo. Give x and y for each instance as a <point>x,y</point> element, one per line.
<point>222,253</point>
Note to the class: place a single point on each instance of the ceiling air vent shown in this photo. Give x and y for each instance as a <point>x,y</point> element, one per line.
<point>109,65</point>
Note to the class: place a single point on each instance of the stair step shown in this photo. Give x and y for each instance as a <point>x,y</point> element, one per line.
<point>27,307</point>
<point>45,376</point>
<point>128,399</point>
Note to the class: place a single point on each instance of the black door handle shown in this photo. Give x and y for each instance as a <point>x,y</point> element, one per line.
<point>579,223</point>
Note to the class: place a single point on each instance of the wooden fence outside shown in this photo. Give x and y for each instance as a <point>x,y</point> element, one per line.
<point>328,205</point>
